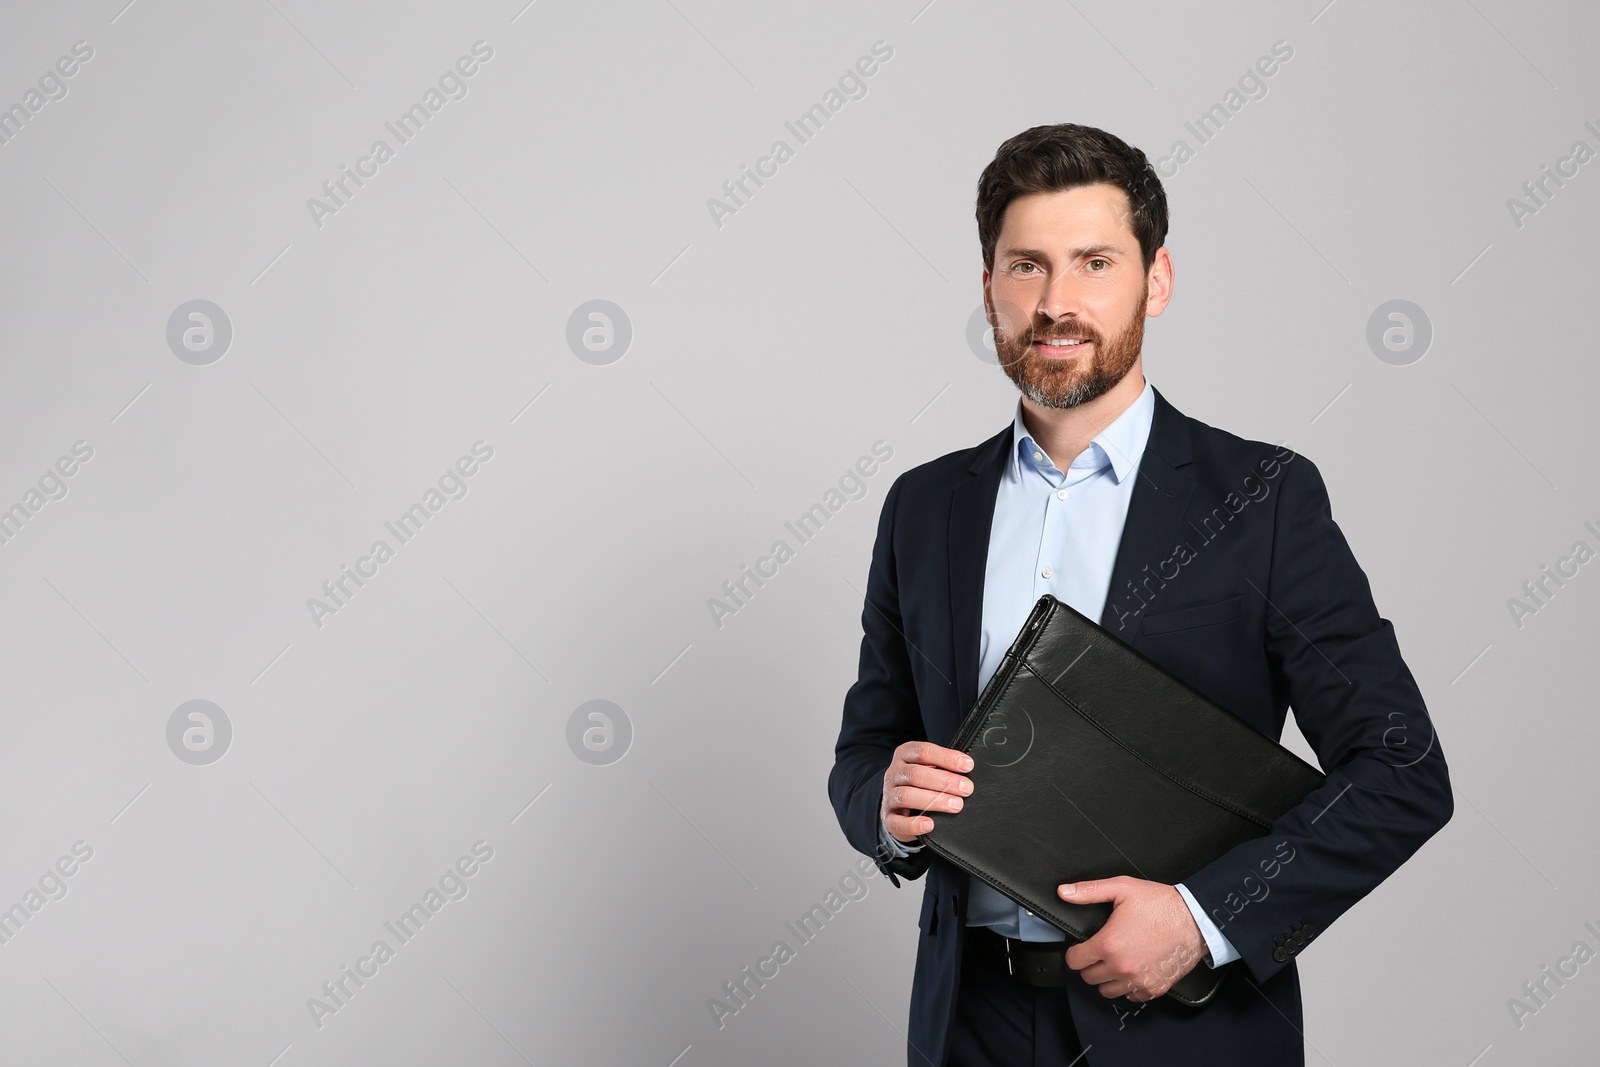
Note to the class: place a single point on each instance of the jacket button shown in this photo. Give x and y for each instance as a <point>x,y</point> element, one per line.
<point>1280,955</point>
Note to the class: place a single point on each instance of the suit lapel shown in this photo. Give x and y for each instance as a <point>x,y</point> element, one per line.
<point>971,516</point>
<point>1160,497</point>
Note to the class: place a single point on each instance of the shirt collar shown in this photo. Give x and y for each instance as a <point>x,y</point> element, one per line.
<point>1120,444</point>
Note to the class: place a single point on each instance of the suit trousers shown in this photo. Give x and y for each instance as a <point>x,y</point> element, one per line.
<point>1001,1022</point>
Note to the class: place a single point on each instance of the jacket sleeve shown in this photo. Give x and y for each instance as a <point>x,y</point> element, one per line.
<point>880,710</point>
<point>1338,665</point>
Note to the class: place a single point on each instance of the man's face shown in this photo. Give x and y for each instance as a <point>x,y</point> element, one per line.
<point>1067,267</point>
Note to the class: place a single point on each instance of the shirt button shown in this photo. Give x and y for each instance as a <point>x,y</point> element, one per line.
<point>1047,572</point>
<point>1061,494</point>
<point>1027,912</point>
<point>1038,455</point>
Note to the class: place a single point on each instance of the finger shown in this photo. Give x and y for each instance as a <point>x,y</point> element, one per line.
<point>906,828</point>
<point>907,799</point>
<point>1094,892</point>
<point>1083,954</point>
<point>924,777</point>
<point>1140,994</point>
<point>1099,973</point>
<point>1149,990</point>
<point>932,755</point>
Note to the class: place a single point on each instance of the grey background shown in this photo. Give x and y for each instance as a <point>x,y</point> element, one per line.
<point>767,354</point>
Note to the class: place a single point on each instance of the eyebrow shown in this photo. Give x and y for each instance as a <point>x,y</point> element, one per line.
<point>1076,253</point>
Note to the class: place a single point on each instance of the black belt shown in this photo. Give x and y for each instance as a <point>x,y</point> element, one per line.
<point>1035,963</point>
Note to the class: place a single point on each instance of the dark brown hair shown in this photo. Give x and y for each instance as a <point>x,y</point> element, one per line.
<point>1050,158</point>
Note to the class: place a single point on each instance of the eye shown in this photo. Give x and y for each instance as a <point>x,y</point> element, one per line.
<point>1016,268</point>
<point>1104,262</point>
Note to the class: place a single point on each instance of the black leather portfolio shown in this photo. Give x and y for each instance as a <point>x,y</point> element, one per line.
<point>1091,761</point>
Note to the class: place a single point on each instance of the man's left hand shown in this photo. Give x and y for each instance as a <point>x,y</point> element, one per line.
<point>1148,943</point>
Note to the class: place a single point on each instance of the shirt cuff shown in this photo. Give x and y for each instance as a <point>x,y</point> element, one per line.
<point>1220,949</point>
<point>896,847</point>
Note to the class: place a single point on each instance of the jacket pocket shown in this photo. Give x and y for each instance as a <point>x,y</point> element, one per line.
<point>928,921</point>
<point>1196,615</point>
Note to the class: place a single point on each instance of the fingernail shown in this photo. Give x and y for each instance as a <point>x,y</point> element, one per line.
<point>954,803</point>
<point>1067,890</point>
<point>966,787</point>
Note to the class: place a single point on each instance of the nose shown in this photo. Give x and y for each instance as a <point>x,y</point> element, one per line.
<point>1059,299</point>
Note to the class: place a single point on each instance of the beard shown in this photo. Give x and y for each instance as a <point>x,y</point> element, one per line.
<point>1067,383</point>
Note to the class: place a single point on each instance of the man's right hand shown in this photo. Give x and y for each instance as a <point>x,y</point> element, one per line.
<point>922,777</point>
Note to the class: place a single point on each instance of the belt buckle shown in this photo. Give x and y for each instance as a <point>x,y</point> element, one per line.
<point>1010,969</point>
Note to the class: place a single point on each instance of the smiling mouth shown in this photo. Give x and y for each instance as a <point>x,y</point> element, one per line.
<point>1061,346</point>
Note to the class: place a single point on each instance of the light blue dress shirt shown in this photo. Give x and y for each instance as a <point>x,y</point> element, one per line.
<point>1058,532</point>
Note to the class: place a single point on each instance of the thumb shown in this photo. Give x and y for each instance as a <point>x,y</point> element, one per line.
<point>1093,892</point>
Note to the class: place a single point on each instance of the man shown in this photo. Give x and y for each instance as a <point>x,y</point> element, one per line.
<point>1216,557</point>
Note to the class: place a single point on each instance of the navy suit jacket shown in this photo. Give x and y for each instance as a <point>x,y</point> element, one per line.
<point>1231,574</point>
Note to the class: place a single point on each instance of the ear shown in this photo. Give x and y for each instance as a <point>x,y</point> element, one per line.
<point>1160,282</point>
